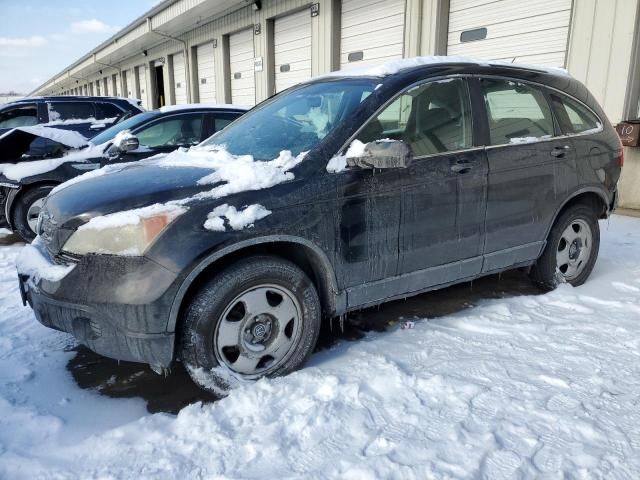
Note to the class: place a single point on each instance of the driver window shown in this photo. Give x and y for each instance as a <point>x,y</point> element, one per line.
<point>432,118</point>
<point>183,130</point>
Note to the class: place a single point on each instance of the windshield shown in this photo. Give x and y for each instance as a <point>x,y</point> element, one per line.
<point>128,124</point>
<point>296,120</point>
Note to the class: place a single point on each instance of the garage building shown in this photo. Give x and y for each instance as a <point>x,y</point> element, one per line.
<point>244,51</point>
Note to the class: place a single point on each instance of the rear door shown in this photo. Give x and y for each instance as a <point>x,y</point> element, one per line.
<point>529,162</point>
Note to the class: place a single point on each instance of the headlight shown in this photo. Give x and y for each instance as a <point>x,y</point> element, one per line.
<point>128,233</point>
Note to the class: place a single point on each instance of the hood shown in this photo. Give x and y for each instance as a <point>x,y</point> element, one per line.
<point>124,187</point>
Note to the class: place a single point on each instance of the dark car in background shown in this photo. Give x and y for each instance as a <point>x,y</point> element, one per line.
<point>362,189</point>
<point>86,115</point>
<point>32,163</point>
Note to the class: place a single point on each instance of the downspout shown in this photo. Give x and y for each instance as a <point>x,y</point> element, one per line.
<point>185,50</point>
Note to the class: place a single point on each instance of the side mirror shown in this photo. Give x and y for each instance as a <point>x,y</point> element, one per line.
<point>129,144</point>
<point>125,141</point>
<point>381,154</point>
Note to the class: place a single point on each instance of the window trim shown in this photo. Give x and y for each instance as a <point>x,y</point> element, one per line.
<point>19,106</point>
<point>342,150</point>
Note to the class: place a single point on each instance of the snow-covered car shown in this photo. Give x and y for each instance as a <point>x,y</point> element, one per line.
<point>33,160</point>
<point>85,115</point>
<point>347,191</point>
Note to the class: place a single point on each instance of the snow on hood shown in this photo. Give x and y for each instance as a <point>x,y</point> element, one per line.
<point>65,137</point>
<point>227,172</point>
<point>394,66</point>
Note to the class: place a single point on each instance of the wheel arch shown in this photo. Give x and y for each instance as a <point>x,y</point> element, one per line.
<point>304,253</point>
<point>595,197</point>
<point>15,193</point>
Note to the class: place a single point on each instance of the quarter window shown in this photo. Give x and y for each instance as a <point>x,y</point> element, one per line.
<point>182,130</point>
<point>516,112</point>
<point>431,118</point>
<point>107,110</point>
<point>573,117</point>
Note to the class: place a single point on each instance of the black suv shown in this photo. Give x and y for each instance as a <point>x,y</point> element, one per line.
<point>337,194</point>
<point>86,115</point>
<point>42,163</point>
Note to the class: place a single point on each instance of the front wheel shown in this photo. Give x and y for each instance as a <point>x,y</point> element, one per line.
<point>571,250</point>
<point>27,209</point>
<point>260,317</point>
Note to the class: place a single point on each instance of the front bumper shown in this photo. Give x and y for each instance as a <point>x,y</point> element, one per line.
<point>116,306</point>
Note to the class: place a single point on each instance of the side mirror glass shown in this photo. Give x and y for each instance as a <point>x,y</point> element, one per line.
<point>381,154</point>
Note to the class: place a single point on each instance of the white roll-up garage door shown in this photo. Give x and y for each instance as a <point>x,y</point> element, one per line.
<point>107,90</point>
<point>535,31</point>
<point>142,83</point>
<point>116,82</point>
<point>179,79</point>
<point>241,57</point>
<point>292,49</point>
<point>206,73</point>
<point>371,31</point>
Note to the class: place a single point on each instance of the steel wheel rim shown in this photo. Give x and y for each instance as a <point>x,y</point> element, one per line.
<point>574,249</point>
<point>258,330</point>
<point>32,214</point>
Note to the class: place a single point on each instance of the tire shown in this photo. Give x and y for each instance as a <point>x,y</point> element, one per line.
<point>26,209</point>
<point>236,328</point>
<point>564,261</point>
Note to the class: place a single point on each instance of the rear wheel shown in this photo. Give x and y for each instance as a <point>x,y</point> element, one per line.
<point>26,210</point>
<point>259,317</point>
<point>571,250</point>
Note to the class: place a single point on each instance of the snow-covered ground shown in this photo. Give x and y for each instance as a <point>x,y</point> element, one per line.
<point>528,386</point>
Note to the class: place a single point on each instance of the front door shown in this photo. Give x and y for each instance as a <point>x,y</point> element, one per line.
<point>430,216</point>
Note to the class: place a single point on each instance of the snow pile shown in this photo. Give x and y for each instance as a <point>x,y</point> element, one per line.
<point>339,162</point>
<point>65,137</point>
<point>217,106</point>
<point>77,121</point>
<point>392,67</point>
<point>519,140</point>
<point>238,219</point>
<point>133,217</point>
<point>32,263</point>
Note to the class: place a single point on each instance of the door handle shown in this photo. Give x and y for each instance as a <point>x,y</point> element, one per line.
<point>460,168</point>
<point>559,152</point>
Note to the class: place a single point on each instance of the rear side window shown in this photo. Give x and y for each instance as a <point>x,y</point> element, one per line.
<point>62,111</point>
<point>107,110</point>
<point>431,118</point>
<point>19,116</point>
<point>573,116</point>
<point>517,112</point>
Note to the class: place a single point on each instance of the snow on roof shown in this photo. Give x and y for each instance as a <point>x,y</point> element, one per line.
<point>188,106</point>
<point>394,66</point>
